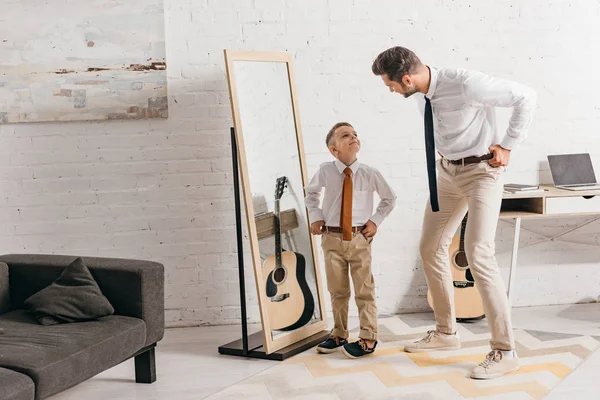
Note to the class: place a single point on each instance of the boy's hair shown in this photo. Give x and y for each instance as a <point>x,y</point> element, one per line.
<point>396,62</point>
<point>331,132</point>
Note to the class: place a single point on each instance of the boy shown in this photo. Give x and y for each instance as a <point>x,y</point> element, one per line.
<point>348,226</point>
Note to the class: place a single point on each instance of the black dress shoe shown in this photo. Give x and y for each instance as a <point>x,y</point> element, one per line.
<point>331,345</point>
<point>358,349</point>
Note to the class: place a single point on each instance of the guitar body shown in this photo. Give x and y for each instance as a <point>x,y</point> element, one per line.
<point>290,302</point>
<point>467,300</point>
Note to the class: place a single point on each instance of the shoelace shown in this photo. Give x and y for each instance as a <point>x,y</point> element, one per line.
<point>427,338</point>
<point>492,358</point>
<point>364,345</point>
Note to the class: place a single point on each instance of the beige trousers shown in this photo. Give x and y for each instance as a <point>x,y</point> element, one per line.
<point>352,256</point>
<point>477,188</point>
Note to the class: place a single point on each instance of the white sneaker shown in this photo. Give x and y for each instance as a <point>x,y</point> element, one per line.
<point>433,341</point>
<point>495,365</point>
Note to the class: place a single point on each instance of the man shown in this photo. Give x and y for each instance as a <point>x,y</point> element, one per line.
<point>458,107</point>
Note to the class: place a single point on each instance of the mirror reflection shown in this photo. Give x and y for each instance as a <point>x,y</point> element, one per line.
<point>275,177</point>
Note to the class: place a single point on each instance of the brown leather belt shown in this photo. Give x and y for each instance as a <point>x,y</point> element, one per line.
<point>471,160</point>
<point>336,229</point>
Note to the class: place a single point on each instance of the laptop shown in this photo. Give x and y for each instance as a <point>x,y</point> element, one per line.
<point>573,171</point>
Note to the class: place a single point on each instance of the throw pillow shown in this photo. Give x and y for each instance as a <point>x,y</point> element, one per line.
<point>74,296</point>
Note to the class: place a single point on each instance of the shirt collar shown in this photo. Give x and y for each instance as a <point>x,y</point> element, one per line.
<point>341,166</point>
<point>432,83</point>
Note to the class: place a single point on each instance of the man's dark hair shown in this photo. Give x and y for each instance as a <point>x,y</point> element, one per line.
<point>329,136</point>
<point>396,62</point>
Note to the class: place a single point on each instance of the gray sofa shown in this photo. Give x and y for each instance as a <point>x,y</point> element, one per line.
<point>37,361</point>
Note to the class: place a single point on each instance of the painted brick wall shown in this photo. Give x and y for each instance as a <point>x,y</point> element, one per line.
<point>162,189</point>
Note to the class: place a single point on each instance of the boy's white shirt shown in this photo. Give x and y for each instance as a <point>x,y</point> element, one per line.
<point>366,180</point>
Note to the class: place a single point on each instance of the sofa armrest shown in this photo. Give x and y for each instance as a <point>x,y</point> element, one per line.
<point>4,289</point>
<point>135,288</point>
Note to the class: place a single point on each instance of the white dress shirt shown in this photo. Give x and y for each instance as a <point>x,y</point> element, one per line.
<point>365,181</point>
<point>463,111</point>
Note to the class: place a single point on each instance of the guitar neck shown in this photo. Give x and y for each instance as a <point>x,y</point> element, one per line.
<point>463,227</point>
<point>277,223</point>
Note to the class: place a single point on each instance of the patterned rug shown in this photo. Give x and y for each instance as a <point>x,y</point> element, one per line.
<point>546,358</point>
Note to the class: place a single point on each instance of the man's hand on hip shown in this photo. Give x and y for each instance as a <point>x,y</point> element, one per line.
<point>501,156</point>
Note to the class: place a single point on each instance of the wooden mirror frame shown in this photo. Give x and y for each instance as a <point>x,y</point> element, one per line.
<point>310,329</point>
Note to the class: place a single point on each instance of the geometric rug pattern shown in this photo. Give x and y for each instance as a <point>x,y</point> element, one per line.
<point>545,358</point>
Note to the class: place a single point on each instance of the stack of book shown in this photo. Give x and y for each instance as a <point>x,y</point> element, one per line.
<point>521,188</point>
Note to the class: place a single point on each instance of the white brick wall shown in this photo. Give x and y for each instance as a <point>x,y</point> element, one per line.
<point>162,189</point>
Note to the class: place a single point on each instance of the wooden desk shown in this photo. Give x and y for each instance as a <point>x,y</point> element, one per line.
<point>553,203</point>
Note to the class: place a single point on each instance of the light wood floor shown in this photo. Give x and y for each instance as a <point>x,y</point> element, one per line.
<point>189,366</point>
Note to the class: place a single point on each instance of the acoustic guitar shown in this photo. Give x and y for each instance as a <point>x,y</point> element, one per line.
<point>467,300</point>
<point>291,304</point>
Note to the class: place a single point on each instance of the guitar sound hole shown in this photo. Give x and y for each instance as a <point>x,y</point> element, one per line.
<point>279,275</point>
<point>461,259</point>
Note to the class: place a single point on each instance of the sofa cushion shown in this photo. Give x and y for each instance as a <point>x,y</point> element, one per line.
<point>73,297</point>
<point>15,386</point>
<point>59,356</point>
<point>134,287</point>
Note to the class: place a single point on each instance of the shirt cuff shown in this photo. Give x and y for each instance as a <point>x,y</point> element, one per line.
<point>316,215</point>
<point>509,142</point>
<point>377,219</point>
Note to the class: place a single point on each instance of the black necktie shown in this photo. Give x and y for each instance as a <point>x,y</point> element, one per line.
<point>430,152</point>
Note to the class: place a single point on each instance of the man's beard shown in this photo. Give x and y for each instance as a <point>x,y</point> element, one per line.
<point>408,92</point>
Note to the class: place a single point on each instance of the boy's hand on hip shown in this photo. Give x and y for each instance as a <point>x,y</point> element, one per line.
<point>370,229</point>
<point>501,156</point>
<point>315,227</point>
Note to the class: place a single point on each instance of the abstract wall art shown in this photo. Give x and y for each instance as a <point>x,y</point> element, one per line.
<point>83,60</point>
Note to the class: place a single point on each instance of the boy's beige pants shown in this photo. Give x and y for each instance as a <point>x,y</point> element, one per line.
<point>478,188</point>
<point>342,260</point>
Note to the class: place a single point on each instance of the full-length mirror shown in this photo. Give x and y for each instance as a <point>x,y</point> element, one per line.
<point>273,177</point>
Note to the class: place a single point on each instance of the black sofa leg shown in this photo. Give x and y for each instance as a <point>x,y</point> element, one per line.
<point>145,367</point>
